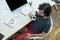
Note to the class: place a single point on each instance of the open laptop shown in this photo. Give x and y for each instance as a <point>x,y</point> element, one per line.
<point>19,6</point>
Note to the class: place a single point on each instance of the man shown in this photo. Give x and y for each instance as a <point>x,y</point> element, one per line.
<point>40,26</point>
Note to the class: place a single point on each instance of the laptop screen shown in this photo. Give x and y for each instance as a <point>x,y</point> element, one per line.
<point>14,4</point>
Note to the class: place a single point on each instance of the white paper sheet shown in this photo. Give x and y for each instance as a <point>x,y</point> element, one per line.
<point>25,9</point>
<point>11,22</point>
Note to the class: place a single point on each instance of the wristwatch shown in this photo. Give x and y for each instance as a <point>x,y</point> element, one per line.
<point>34,18</point>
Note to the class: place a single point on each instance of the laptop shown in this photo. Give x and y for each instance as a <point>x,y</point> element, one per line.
<point>19,6</point>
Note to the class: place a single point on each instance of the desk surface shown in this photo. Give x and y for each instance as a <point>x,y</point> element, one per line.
<point>5,14</point>
<point>8,31</point>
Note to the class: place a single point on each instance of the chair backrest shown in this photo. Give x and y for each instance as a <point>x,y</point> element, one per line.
<point>50,27</point>
<point>47,33</point>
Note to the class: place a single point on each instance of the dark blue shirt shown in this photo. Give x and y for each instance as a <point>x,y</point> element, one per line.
<point>41,24</point>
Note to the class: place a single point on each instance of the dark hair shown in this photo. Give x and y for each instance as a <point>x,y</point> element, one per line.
<point>46,7</point>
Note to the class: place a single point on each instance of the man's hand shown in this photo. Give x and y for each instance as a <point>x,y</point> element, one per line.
<point>30,15</point>
<point>28,36</point>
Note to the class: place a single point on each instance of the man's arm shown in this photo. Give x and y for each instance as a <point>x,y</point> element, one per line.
<point>35,35</point>
<point>38,35</point>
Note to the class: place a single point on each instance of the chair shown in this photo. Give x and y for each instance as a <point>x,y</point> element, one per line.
<point>46,34</point>
<point>57,2</point>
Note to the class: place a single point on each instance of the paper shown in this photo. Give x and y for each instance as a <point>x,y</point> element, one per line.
<point>26,9</point>
<point>11,22</point>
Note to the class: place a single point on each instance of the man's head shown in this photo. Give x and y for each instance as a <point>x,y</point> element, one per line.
<point>44,9</point>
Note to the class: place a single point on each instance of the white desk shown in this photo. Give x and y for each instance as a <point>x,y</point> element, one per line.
<point>5,14</point>
<point>8,31</point>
